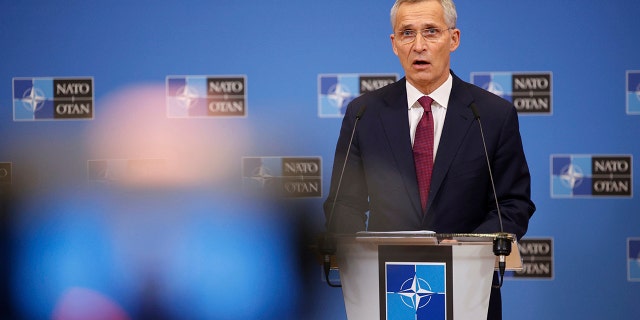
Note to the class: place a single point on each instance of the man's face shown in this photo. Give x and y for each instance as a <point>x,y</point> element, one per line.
<point>425,63</point>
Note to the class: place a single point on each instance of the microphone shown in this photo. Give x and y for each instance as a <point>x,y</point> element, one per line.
<point>328,242</point>
<point>502,241</point>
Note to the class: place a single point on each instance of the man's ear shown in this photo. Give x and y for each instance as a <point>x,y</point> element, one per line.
<point>455,40</point>
<point>393,44</point>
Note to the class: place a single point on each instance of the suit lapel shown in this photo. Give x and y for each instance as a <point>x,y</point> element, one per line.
<point>395,123</point>
<point>457,122</point>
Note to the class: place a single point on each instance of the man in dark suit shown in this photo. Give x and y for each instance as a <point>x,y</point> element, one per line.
<point>380,188</point>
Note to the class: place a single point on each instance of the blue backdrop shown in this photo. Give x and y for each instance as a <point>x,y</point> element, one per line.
<point>281,47</point>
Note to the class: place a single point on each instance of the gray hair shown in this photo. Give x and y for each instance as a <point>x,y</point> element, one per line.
<point>450,14</point>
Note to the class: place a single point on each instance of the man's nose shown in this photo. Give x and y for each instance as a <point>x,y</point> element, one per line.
<point>420,44</point>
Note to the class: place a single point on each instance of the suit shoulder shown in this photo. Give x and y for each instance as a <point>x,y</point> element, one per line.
<point>391,88</point>
<point>488,103</point>
<point>481,95</point>
<point>389,92</point>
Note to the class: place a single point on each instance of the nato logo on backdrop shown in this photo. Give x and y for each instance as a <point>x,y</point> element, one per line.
<point>591,176</point>
<point>286,177</point>
<point>530,92</point>
<point>52,99</point>
<point>416,290</point>
<point>206,96</point>
<point>633,92</point>
<point>633,259</point>
<point>335,91</point>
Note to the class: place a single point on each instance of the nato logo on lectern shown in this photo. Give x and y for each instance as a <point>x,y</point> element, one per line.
<point>286,177</point>
<point>416,290</point>
<point>206,96</point>
<point>52,99</point>
<point>633,92</point>
<point>575,176</point>
<point>335,91</point>
<point>530,92</point>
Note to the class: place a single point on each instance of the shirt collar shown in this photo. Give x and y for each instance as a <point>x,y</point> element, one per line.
<point>440,95</point>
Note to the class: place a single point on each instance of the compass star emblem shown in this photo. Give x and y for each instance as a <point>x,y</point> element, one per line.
<point>571,176</point>
<point>416,293</point>
<point>261,174</point>
<point>33,99</point>
<point>338,94</point>
<point>186,96</point>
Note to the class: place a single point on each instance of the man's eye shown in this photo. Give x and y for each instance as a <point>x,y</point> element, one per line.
<point>431,31</point>
<point>408,33</point>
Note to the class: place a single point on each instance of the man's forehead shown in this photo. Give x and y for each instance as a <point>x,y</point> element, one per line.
<point>423,25</point>
<point>420,15</point>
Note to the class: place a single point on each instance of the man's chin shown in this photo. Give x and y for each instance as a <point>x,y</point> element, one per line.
<point>421,80</point>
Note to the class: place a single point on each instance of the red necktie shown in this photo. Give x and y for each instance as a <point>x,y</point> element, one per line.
<point>423,150</point>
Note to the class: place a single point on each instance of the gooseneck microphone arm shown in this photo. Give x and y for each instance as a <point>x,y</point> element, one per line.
<point>328,242</point>
<point>344,165</point>
<point>501,243</point>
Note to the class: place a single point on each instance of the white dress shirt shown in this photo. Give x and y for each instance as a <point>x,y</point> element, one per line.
<point>438,108</point>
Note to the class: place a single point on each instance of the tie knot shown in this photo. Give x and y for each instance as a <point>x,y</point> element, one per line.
<point>425,102</point>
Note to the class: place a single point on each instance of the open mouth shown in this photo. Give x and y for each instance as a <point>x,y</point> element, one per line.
<point>420,63</point>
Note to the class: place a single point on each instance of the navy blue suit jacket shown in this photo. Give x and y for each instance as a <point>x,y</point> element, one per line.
<point>380,175</point>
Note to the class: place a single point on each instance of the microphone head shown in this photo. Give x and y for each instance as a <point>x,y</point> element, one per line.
<point>502,246</point>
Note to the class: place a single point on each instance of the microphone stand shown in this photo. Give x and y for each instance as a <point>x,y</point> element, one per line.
<point>327,246</point>
<point>502,242</point>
